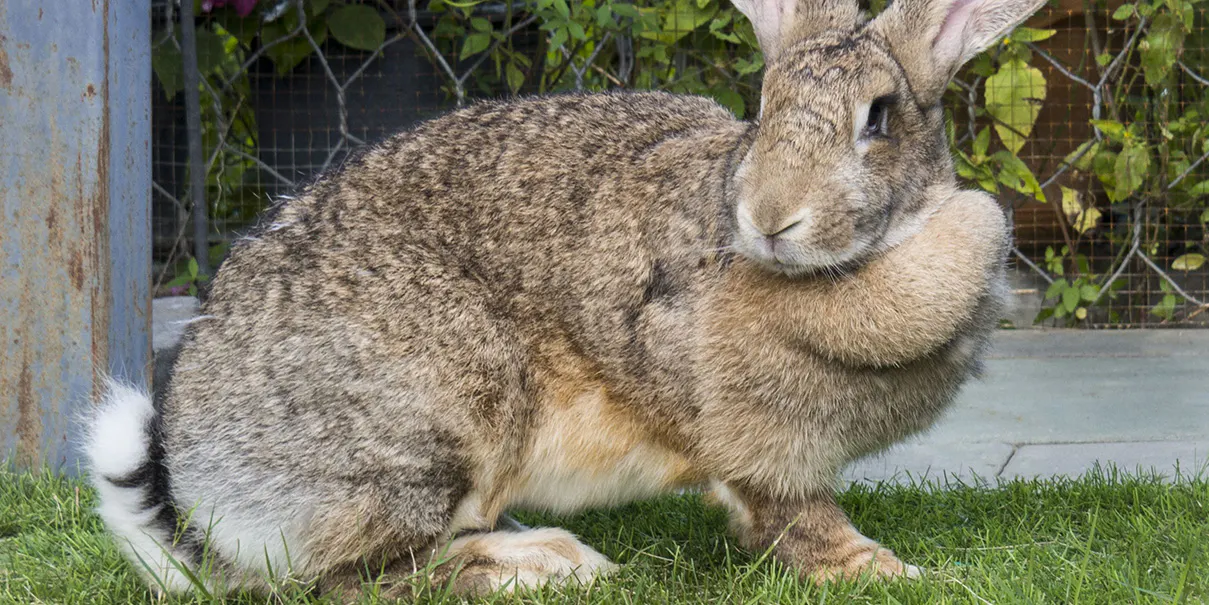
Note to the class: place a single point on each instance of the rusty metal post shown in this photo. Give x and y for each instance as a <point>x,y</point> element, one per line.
<point>75,225</point>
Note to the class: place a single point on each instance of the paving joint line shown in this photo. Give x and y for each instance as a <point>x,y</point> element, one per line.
<point>1003,467</point>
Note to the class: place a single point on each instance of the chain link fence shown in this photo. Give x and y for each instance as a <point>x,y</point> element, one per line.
<point>1089,123</point>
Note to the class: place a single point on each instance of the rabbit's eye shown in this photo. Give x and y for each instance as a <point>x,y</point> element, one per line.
<point>878,122</point>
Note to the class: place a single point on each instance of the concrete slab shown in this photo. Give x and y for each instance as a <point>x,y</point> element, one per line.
<point>1074,459</point>
<point>1048,344</point>
<point>1046,386</point>
<point>918,460</point>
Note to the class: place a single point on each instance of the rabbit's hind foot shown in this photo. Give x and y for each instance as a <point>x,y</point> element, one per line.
<point>484,563</point>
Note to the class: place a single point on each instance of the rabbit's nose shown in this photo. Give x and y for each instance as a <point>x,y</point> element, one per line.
<point>773,236</point>
<point>773,227</point>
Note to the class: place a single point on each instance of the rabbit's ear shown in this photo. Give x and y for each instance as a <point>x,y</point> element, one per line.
<point>779,23</point>
<point>933,38</point>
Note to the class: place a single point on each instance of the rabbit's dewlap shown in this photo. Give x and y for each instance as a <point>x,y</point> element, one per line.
<point>575,301</point>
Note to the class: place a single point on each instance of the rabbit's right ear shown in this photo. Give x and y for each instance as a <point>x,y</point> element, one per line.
<point>933,38</point>
<point>779,23</point>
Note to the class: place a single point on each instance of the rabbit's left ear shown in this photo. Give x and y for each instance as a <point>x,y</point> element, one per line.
<point>932,39</point>
<point>779,23</point>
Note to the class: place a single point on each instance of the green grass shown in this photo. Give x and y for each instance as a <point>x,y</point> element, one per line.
<point>1104,538</point>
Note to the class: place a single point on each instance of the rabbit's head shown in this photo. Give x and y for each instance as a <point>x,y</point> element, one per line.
<point>851,129</point>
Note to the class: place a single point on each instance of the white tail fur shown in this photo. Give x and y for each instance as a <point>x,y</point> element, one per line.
<point>118,447</point>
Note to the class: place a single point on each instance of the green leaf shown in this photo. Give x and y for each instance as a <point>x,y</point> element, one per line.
<point>1103,59</point>
<point>474,44</point>
<point>1123,12</point>
<point>1028,34</point>
<point>1087,220</point>
<point>1070,299</point>
<point>560,7</point>
<point>558,39</point>
<point>1089,293</point>
<point>1013,98</point>
<point>982,65</point>
<point>729,98</point>
<point>317,7</point>
<point>624,10</point>
<point>193,268</point>
<point>1082,219</point>
<point>290,52</point>
<point>1111,128</point>
<point>1130,169</point>
<point>210,51</point>
<point>1188,262</point>
<point>604,16</point>
<point>358,26</point>
<point>166,62</point>
<point>980,173</point>
<point>576,30</point>
<point>722,20</point>
<point>684,17</point>
<point>515,77</point>
<point>1205,216</point>
<point>982,142</point>
<point>1201,188</point>
<point>1166,308</point>
<point>1162,48</point>
<point>1102,165</point>
<point>1015,175</point>
<point>744,67</point>
<point>1043,315</point>
<point>243,28</point>
<point>1071,206</point>
<point>1082,162</point>
<point>480,24</point>
<point>747,33</point>
<point>1056,289</point>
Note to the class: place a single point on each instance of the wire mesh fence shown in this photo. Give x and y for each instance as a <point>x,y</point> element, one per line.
<point>1089,123</point>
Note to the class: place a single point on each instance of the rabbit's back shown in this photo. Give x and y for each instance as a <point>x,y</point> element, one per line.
<point>539,200</point>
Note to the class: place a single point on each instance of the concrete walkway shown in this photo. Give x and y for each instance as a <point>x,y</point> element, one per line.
<point>1056,402</point>
<point>1053,402</point>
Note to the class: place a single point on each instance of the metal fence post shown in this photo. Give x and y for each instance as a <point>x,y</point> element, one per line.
<point>74,215</point>
<point>197,164</point>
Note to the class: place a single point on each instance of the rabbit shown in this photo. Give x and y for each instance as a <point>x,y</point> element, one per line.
<point>573,301</point>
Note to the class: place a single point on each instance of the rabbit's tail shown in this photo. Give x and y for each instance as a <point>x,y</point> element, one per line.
<point>125,451</point>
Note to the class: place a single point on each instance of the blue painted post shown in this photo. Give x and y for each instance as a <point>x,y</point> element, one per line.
<point>75,224</point>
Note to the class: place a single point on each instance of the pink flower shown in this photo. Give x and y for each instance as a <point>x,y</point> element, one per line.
<point>243,8</point>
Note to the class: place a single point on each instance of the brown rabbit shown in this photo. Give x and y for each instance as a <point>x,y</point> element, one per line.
<point>579,301</point>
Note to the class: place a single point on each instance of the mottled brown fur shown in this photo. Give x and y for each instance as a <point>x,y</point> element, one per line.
<point>402,351</point>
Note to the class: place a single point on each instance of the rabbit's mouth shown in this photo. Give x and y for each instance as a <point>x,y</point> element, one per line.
<point>793,259</point>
